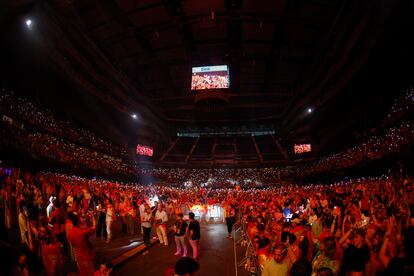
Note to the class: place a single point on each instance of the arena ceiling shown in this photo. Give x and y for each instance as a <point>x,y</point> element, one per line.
<point>284,56</point>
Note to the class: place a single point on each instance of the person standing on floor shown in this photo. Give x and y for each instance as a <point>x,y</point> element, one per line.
<point>79,238</point>
<point>110,218</point>
<point>161,219</point>
<point>101,213</point>
<point>146,220</point>
<point>181,229</point>
<point>122,212</point>
<point>130,217</point>
<point>230,219</point>
<point>194,237</point>
<point>142,206</point>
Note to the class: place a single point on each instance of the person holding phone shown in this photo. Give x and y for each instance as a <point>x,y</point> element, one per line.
<point>79,238</point>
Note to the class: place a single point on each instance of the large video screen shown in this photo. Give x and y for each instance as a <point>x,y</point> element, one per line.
<point>210,77</point>
<point>145,150</point>
<point>302,148</point>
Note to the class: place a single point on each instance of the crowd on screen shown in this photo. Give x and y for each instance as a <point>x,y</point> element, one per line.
<point>360,226</point>
<point>209,81</point>
<point>302,148</point>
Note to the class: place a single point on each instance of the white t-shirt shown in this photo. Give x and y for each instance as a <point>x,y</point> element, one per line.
<point>141,209</point>
<point>146,220</point>
<point>161,216</point>
<point>110,214</point>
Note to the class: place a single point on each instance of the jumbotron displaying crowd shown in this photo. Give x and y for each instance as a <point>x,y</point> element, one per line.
<point>209,81</point>
<point>361,227</point>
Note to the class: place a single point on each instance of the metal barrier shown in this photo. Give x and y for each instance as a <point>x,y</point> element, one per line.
<point>249,260</point>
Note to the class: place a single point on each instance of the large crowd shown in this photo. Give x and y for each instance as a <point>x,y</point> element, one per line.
<point>219,178</point>
<point>33,115</point>
<point>402,105</point>
<point>394,140</point>
<point>80,148</point>
<point>48,147</point>
<point>364,225</point>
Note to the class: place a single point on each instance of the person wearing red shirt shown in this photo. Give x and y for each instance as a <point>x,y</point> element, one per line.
<point>79,238</point>
<point>51,253</point>
<point>56,223</point>
<point>104,270</point>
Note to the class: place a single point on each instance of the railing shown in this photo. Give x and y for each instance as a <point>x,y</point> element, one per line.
<point>241,238</point>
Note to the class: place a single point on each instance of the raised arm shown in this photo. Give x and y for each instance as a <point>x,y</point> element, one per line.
<point>91,230</point>
<point>333,225</point>
<point>384,258</point>
<point>345,238</point>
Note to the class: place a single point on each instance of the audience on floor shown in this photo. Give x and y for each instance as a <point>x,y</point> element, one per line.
<point>363,225</point>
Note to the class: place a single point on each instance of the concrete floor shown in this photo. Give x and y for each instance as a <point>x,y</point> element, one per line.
<point>120,244</point>
<point>216,256</point>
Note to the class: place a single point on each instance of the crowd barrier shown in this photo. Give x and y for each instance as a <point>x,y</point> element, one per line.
<point>242,239</point>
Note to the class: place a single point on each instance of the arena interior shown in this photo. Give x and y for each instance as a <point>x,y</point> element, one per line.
<point>220,137</point>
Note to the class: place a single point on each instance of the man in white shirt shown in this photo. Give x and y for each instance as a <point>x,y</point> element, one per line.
<point>278,265</point>
<point>161,220</point>
<point>146,220</point>
<point>50,207</point>
<point>110,218</point>
<point>141,212</point>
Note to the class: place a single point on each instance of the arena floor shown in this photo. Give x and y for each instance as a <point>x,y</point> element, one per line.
<point>216,256</point>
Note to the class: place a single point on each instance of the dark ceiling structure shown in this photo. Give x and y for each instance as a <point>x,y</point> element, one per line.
<point>346,59</point>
